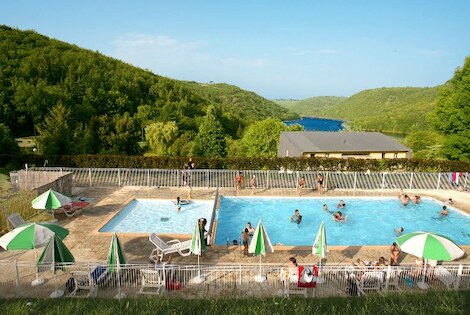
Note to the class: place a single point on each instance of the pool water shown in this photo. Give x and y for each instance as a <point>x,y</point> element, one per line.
<point>371,221</point>
<point>159,216</point>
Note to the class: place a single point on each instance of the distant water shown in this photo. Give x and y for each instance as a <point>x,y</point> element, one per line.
<point>317,124</point>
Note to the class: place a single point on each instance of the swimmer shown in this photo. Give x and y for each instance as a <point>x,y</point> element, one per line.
<point>416,199</point>
<point>296,217</point>
<point>399,231</point>
<point>444,211</point>
<point>405,199</point>
<point>178,204</point>
<point>341,204</point>
<point>449,201</point>
<point>338,216</point>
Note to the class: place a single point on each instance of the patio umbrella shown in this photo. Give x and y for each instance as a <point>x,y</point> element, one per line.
<point>50,200</point>
<point>198,246</point>
<point>319,247</point>
<point>116,260</point>
<point>55,253</point>
<point>429,245</point>
<point>31,236</point>
<point>260,245</point>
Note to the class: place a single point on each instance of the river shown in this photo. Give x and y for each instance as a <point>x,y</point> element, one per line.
<point>317,124</point>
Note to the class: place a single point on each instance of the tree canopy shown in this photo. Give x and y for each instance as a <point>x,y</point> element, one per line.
<point>452,115</point>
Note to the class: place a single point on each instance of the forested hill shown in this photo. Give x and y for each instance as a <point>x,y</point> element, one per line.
<point>311,106</point>
<point>400,110</point>
<point>107,101</point>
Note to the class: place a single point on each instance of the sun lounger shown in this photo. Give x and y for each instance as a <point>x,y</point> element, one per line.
<point>86,281</point>
<point>445,276</point>
<point>370,281</point>
<point>73,209</point>
<point>153,279</point>
<point>174,246</point>
<point>16,220</point>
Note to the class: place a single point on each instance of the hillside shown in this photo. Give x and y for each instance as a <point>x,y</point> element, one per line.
<point>394,110</point>
<point>311,106</point>
<point>110,102</point>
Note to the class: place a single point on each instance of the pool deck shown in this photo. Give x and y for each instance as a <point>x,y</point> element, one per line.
<point>87,244</point>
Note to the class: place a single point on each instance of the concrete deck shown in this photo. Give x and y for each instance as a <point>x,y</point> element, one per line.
<point>86,244</point>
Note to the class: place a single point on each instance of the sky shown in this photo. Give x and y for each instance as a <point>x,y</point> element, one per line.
<point>277,49</point>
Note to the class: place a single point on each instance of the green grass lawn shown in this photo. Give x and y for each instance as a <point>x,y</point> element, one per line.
<point>449,302</point>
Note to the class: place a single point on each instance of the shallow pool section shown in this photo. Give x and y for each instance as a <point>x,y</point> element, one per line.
<point>370,221</point>
<point>159,216</point>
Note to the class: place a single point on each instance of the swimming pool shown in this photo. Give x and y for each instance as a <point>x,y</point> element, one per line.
<point>371,221</point>
<point>159,216</point>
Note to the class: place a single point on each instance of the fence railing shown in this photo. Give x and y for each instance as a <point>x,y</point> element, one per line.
<point>265,179</point>
<point>93,279</point>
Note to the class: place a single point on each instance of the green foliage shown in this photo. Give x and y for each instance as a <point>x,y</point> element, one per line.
<point>262,138</point>
<point>160,136</point>
<point>240,163</point>
<point>8,144</point>
<point>107,97</point>
<point>392,110</point>
<point>452,114</point>
<point>54,131</point>
<point>425,144</point>
<point>311,106</point>
<point>210,140</point>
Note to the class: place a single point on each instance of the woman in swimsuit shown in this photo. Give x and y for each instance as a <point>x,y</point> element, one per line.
<point>394,253</point>
<point>320,184</point>
<point>301,185</point>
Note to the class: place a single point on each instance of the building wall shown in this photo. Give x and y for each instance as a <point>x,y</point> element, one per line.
<point>359,155</point>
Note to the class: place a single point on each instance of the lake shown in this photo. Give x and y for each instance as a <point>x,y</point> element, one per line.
<point>317,124</point>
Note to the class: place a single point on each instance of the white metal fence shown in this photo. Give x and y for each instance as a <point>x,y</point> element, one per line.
<point>219,281</point>
<point>118,177</point>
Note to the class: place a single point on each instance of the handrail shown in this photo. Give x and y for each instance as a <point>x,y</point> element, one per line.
<point>265,179</point>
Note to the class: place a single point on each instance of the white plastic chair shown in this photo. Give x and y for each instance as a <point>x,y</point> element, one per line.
<point>152,279</point>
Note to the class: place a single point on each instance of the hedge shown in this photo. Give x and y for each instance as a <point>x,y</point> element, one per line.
<point>239,163</point>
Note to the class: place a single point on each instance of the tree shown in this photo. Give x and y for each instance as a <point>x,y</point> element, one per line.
<point>425,144</point>
<point>261,138</point>
<point>160,136</point>
<point>210,140</point>
<point>54,131</point>
<point>8,144</point>
<point>451,116</point>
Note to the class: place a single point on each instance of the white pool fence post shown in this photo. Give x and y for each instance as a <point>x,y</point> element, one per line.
<point>208,177</point>
<point>438,181</point>
<point>355,180</point>
<point>387,277</point>
<point>411,181</point>
<point>459,276</point>
<point>326,181</point>
<point>17,279</point>
<point>119,177</point>
<point>240,274</point>
<point>268,177</point>
<point>383,180</point>
<point>89,176</point>
<point>465,185</point>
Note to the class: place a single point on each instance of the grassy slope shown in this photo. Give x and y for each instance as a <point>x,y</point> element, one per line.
<point>400,110</point>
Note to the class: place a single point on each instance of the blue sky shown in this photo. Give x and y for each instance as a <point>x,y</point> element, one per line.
<point>278,49</point>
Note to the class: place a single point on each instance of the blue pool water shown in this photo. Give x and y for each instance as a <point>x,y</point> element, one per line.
<point>159,216</point>
<point>370,221</point>
<point>317,124</point>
